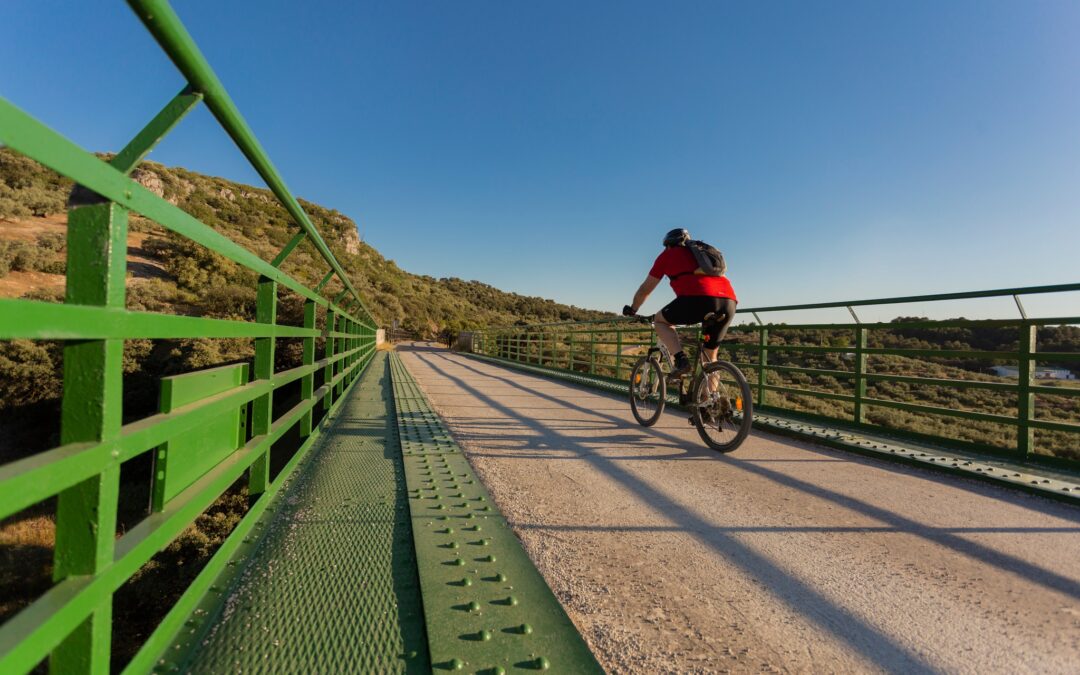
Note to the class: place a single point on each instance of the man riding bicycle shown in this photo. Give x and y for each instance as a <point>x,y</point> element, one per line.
<point>696,296</point>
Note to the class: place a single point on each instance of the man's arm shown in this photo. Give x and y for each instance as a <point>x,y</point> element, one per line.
<point>643,291</point>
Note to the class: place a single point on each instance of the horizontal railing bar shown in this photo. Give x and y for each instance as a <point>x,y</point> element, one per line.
<point>1030,290</point>
<point>805,348</point>
<point>936,410</point>
<point>939,382</point>
<point>27,481</point>
<point>890,325</point>
<point>938,353</point>
<point>33,139</point>
<point>809,392</point>
<point>1056,356</point>
<point>808,371</point>
<point>1053,391</point>
<point>36,320</point>
<point>1054,425</point>
<point>966,295</point>
<point>30,480</point>
<point>291,375</point>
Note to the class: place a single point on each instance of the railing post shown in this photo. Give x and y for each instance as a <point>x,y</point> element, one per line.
<point>328,371</point>
<point>307,382</point>
<point>263,407</point>
<point>618,351</point>
<point>1025,404</point>
<point>339,348</point>
<point>763,364</point>
<point>91,411</point>
<point>571,360</point>
<point>592,351</point>
<point>860,373</point>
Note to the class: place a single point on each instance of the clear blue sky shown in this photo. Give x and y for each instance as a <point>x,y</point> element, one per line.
<point>832,150</point>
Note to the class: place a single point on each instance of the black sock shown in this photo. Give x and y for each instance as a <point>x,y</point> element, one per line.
<point>680,355</point>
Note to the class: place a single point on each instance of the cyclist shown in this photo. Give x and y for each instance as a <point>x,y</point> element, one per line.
<point>696,296</point>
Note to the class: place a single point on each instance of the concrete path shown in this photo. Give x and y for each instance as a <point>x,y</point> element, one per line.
<point>781,557</point>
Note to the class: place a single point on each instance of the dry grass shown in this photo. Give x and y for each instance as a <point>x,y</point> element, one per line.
<point>26,560</point>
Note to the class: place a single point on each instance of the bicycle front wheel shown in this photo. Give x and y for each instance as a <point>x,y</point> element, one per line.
<point>723,406</point>
<point>648,392</point>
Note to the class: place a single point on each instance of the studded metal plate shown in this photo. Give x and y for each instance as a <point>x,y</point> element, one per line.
<point>331,585</point>
<point>486,607</point>
<point>1030,479</point>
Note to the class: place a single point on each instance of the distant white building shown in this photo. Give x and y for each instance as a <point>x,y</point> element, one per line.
<point>1038,373</point>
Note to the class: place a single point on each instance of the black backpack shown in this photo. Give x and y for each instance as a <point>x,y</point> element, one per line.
<point>710,261</point>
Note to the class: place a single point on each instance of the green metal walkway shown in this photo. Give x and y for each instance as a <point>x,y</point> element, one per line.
<point>333,581</point>
<point>332,585</point>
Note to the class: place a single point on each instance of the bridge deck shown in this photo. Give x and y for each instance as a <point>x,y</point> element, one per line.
<point>386,509</point>
<point>782,556</point>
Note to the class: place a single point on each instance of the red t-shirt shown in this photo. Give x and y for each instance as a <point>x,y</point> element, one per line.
<point>674,261</point>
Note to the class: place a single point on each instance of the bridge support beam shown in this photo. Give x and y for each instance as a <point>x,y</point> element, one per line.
<point>145,141</point>
<point>289,248</point>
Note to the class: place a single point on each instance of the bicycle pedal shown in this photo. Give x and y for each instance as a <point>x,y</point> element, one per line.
<point>690,420</point>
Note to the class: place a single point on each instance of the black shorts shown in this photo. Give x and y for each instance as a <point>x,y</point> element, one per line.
<point>691,309</point>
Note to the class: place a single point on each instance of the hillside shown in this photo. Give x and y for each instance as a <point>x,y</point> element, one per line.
<point>196,281</point>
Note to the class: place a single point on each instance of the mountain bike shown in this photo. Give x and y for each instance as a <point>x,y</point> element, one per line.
<point>716,393</point>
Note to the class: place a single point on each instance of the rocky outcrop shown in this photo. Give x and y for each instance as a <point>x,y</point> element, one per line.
<point>351,241</point>
<point>151,181</point>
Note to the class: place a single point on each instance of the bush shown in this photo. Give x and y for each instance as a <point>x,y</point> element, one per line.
<point>29,372</point>
<point>29,188</point>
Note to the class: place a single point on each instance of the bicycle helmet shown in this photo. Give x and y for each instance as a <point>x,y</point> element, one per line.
<point>677,237</point>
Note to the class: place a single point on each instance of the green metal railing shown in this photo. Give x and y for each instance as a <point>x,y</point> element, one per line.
<point>201,438</point>
<point>775,358</point>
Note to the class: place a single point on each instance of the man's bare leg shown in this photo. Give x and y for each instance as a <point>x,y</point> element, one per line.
<point>666,332</point>
<point>710,355</point>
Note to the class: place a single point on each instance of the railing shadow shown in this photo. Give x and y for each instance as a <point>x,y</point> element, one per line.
<point>1004,561</point>
<point>873,644</point>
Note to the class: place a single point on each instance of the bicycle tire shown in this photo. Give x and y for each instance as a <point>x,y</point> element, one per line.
<point>654,390</point>
<point>719,417</point>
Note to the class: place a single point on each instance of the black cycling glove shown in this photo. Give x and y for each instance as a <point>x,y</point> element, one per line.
<point>627,310</point>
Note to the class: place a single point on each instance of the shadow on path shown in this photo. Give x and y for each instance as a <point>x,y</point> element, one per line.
<point>944,537</point>
<point>871,643</point>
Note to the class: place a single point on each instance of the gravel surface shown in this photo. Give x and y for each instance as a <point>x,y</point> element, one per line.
<point>781,557</point>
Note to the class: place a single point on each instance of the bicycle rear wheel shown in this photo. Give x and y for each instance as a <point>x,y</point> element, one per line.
<point>722,405</point>
<point>648,392</point>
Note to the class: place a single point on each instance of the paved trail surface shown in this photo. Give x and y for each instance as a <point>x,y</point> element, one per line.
<point>782,557</point>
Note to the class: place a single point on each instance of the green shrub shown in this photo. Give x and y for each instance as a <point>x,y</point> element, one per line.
<point>29,372</point>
